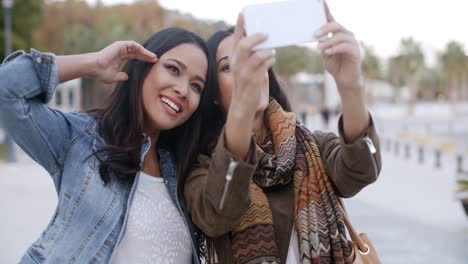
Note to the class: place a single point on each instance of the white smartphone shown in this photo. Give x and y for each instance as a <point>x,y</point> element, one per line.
<point>285,22</point>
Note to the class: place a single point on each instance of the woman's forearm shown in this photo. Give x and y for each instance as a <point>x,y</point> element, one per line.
<point>70,67</point>
<point>238,132</point>
<point>355,114</point>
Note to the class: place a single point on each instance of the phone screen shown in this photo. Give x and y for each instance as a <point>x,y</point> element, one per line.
<point>286,22</point>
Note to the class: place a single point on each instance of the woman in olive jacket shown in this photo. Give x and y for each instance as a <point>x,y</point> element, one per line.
<point>267,190</point>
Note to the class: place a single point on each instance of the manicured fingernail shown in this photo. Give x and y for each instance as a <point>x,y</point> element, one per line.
<point>318,33</point>
<point>328,51</point>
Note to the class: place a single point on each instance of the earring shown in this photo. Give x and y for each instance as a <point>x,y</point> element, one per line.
<point>216,102</point>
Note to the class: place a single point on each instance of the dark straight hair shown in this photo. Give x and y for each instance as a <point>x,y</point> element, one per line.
<point>121,120</point>
<point>214,111</point>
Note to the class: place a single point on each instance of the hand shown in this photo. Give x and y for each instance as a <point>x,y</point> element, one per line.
<point>341,54</point>
<point>109,59</point>
<point>249,68</point>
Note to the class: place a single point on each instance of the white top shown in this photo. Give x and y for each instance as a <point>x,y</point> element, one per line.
<point>293,251</point>
<point>155,231</point>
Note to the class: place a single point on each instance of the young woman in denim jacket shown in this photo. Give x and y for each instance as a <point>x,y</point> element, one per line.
<point>114,168</point>
<point>267,189</point>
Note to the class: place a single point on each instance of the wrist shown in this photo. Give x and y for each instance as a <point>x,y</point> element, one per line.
<point>240,111</point>
<point>351,91</point>
<point>90,63</point>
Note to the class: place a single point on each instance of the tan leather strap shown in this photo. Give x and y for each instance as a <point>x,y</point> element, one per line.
<point>352,232</point>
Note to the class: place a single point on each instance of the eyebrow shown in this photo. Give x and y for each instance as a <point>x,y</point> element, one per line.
<point>223,58</point>
<point>183,66</point>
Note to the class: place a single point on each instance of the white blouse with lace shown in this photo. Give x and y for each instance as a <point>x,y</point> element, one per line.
<point>155,232</point>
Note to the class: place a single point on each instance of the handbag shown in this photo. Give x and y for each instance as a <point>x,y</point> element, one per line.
<point>363,249</point>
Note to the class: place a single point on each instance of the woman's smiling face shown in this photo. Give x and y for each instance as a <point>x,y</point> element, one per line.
<point>172,88</point>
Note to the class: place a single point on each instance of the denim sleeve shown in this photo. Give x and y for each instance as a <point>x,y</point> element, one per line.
<point>27,83</point>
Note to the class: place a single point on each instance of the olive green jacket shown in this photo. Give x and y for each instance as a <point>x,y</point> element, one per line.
<point>217,191</point>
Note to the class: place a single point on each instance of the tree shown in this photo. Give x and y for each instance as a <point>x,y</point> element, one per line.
<point>429,83</point>
<point>454,64</point>
<point>26,15</point>
<point>408,62</point>
<point>295,59</point>
<point>370,64</point>
<point>370,67</point>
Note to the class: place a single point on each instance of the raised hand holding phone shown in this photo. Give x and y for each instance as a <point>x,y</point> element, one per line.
<point>249,68</point>
<point>250,78</point>
<point>340,53</point>
<point>342,58</point>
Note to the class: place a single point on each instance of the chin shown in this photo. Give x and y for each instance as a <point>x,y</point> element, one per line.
<point>163,125</point>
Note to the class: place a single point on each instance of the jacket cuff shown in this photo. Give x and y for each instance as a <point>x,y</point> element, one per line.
<point>358,144</point>
<point>46,70</point>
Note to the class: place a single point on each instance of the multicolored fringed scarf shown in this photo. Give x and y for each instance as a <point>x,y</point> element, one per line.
<point>291,153</point>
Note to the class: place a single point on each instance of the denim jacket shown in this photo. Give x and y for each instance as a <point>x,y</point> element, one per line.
<point>90,217</point>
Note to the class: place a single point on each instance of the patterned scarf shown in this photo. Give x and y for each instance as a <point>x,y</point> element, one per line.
<point>291,153</point>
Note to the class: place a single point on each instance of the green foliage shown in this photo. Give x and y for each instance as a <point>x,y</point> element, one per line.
<point>403,67</point>
<point>3,151</point>
<point>295,59</point>
<point>454,60</point>
<point>462,184</point>
<point>371,64</point>
<point>411,57</point>
<point>26,15</point>
<point>17,43</point>
<point>430,83</point>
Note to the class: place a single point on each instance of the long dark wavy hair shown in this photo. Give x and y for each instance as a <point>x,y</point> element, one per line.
<point>215,118</point>
<point>214,111</point>
<point>121,120</point>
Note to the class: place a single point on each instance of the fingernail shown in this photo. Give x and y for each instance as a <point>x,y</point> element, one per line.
<point>328,51</point>
<point>318,33</point>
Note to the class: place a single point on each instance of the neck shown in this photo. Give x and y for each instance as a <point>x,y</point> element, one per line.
<point>151,162</point>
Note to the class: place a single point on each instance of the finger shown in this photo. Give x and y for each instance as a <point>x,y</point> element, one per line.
<point>239,29</point>
<point>258,58</point>
<point>144,58</point>
<point>332,27</point>
<point>139,52</point>
<point>334,40</point>
<point>269,63</point>
<point>120,76</point>
<point>247,44</point>
<point>263,69</point>
<point>136,51</point>
<point>328,13</point>
<point>340,48</point>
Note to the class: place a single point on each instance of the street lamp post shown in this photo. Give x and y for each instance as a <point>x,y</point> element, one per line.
<point>7,5</point>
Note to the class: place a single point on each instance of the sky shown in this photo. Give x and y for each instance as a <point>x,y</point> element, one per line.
<point>378,23</point>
